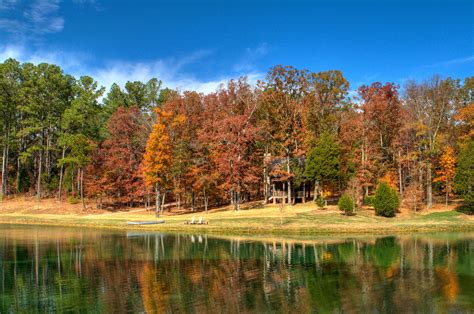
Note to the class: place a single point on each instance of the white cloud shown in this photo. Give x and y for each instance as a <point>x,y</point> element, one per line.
<point>39,17</point>
<point>170,71</point>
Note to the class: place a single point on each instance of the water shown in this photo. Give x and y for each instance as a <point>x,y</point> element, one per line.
<point>78,270</point>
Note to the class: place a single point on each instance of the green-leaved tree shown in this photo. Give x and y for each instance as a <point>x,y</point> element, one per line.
<point>323,162</point>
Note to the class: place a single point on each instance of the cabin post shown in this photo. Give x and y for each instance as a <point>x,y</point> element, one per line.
<point>273,193</point>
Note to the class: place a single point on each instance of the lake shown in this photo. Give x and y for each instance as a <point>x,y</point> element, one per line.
<point>86,270</point>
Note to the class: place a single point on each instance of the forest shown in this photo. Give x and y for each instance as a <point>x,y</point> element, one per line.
<point>145,145</point>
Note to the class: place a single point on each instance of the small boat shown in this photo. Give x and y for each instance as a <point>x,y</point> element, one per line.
<point>145,222</point>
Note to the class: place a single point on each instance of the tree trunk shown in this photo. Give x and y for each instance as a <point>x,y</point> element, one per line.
<point>400,179</point>
<point>82,188</point>
<point>289,180</point>
<point>265,184</point>
<point>447,191</point>
<point>304,193</point>
<point>315,196</point>
<point>163,202</point>
<point>157,200</point>
<point>4,182</point>
<point>429,190</point>
<point>193,201</point>
<point>205,199</point>
<point>78,180</point>
<point>61,174</point>
<point>236,201</point>
<point>38,183</point>
<point>18,169</point>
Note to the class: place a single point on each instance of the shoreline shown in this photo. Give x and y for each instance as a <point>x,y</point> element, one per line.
<point>225,230</point>
<point>302,220</point>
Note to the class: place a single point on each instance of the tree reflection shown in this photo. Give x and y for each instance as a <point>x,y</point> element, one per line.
<point>76,270</point>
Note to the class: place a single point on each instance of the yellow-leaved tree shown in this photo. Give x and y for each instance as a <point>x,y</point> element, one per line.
<point>445,175</point>
<point>158,155</point>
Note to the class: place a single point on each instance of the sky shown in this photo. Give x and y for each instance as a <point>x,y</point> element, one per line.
<point>197,45</point>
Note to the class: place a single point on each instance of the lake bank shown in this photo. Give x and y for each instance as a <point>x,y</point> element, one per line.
<point>302,219</point>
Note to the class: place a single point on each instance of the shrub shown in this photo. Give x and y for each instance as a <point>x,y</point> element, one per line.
<point>320,202</point>
<point>72,200</point>
<point>385,201</point>
<point>369,200</point>
<point>346,204</point>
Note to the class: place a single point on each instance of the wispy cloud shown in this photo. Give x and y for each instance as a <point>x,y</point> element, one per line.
<point>39,17</point>
<point>170,71</point>
<point>451,62</point>
<point>7,4</point>
<point>249,60</point>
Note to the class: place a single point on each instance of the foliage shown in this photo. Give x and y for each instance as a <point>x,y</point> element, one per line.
<point>413,196</point>
<point>72,200</point>
<point>464,179</point>
<point>323,161</point>
<point>445,174</point>
<point>56,131</point>
<point>320,202</point>
<point>386,201</point>
<point>369,200</point>
<point>346,204</point>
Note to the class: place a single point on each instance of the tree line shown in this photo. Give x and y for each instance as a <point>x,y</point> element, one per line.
<point>142,144</point>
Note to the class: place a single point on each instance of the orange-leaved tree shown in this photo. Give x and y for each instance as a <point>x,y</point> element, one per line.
<point>158,156</point>
<point>445,174</point>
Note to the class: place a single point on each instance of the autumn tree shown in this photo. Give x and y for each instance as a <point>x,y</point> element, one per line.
<point>123,153</point>
<point>445,174</point>
<point>282,110</point>
<point>380,126</point>
<point>430,104</point>
<point>233,138</point>
<point>327,96</point>
<point>158,153</point>
<point>188,150</point>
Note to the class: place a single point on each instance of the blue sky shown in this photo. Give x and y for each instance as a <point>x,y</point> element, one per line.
<point>200,44</point>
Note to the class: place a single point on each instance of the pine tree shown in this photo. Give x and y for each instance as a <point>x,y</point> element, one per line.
<point>464,179</point>
<point>323,162</point>
<point>386,200</point>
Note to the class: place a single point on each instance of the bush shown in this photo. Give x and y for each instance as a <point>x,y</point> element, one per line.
<point>369,200</point>
<point>320,202</point>
<point>346,204</point>
<point>72,200</point>
<point>385,201</point>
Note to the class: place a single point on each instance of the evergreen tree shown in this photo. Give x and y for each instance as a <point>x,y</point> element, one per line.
<point>346,204</point>
<point>323,161</point>
<point>81,125</point>
<point>386,200</point>
<point>464,179</point>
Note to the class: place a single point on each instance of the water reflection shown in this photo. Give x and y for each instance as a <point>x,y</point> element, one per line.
<point>51,270</point>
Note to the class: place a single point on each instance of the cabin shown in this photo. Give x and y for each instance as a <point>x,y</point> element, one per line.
<point>277,180</point>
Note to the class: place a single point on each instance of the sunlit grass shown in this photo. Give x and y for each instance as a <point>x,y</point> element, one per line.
<point>270,219</point>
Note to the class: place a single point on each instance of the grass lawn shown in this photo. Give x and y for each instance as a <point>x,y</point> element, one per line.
<point>301,219</point>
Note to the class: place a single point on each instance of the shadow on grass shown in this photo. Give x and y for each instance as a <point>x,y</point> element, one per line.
<point>465,209</point>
